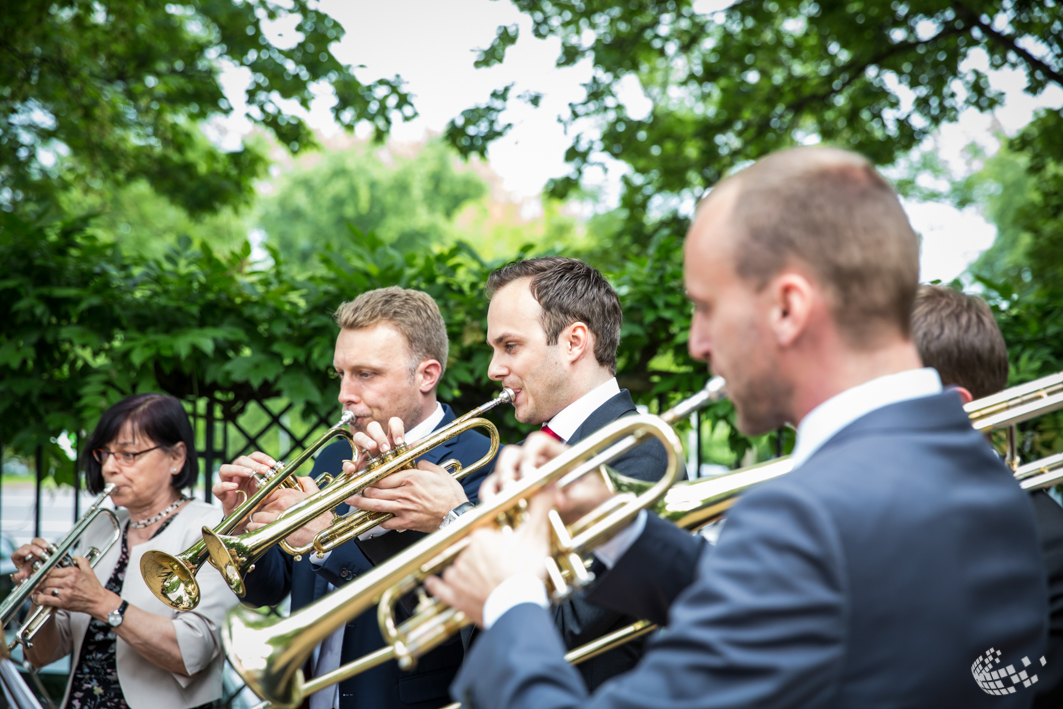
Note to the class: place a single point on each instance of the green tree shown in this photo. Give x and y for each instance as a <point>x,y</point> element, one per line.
<point>410,203</point>
<point>730,86</point>
<point>95,91</point>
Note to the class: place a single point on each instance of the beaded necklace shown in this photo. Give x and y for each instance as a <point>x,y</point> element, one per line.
<point>152,520</point>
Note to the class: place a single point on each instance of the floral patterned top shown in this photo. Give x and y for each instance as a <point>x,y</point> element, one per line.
<point>95,684</point>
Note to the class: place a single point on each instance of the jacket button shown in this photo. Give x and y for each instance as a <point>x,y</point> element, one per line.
<point>345,574</point>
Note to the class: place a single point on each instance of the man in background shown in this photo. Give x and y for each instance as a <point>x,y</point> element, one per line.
<point>957,335</point>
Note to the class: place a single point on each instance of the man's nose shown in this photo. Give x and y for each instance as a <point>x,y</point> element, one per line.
<point>349,393</point>
<point>495,371</point>
<point>699,344</point>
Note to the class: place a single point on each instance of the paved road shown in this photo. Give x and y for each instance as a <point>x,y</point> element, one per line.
<point>57,511</point>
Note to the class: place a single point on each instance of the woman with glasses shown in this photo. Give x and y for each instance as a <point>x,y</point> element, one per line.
<point>129,649</point>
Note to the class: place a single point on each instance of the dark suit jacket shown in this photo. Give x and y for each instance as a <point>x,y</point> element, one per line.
<point>385,686</point>
<point>1050,525</point>
<point>579,620</point>
<point>874,575</point>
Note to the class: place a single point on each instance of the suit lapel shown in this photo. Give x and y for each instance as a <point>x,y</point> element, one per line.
<point>444,450</point>
<point>620,405</point>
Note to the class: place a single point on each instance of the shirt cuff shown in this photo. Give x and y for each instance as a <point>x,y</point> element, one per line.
<point>522,588</point>
<point>610,552</point>
<point>319,560</point>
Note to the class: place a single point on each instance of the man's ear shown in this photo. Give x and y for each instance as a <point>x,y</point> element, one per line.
<point>574,340</point>
<point>965,394</point>
<point>428,373</point>
<point>792,301</point>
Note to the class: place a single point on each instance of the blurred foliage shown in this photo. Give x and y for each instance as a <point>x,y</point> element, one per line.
<point>729,86</point>
<point>409,202</point>
<point>96,91</point>
<point>1020,190</point>
<point>86,324</point>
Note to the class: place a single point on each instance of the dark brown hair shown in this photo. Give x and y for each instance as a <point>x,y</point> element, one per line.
<point>411,312</point>
<point>831,211</point>
<point>956,334</point>
<point>569,291</point>
<point>159,417</point>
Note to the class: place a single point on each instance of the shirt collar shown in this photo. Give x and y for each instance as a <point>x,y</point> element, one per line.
<point>834,414</point>
<point>427,426</point>
<point>570,418</point>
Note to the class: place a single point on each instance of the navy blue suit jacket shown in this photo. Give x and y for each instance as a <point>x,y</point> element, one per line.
<point>385,686</point>
<point>874,575</point>
<point>579,620</point>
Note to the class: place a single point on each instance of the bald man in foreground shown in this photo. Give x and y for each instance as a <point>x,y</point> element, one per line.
<point>896,555</point>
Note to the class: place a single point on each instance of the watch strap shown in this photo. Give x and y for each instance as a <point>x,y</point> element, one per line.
<point>462,509</point>
<point>119,612</point>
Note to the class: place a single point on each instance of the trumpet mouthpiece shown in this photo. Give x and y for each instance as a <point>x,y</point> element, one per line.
<point>346,419</point>
<point>506,397</point>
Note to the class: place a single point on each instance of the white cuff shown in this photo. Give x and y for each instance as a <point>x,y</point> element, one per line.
<point>319,560</point>
<point>610,552</point>
<point>522,588</point>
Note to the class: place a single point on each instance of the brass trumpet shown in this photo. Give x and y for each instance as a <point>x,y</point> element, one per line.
<point>57,555</point>
<point>269,654</point>
<point>235,556</point>
<point>173,578</point>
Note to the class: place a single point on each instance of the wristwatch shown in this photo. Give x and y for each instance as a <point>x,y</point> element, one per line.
<point>115,617</point>
<point>453,515</point>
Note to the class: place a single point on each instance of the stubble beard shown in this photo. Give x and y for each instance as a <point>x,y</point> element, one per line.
<point>761,404</point>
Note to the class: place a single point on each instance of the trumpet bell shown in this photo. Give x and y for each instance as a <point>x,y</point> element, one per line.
<point>265,650</point>
<point>171,579</point>
<point>224,553</point>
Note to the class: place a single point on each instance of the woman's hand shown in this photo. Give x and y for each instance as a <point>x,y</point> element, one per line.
<point>25,555</point>
<point>76,589</point>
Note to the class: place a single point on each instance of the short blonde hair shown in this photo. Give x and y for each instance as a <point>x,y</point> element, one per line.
<point>411,312</point>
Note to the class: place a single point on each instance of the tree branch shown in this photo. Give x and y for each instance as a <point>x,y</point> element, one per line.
<point>1009,42</point>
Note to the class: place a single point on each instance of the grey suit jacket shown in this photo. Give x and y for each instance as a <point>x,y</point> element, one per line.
<point>874,575</point>
<point>145,685</point>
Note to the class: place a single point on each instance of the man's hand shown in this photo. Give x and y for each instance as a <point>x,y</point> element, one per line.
<point>282,499</point>
<point>235,478</point>
<point>517,462</point>
<point>494,555</point>
<point>419,498</point>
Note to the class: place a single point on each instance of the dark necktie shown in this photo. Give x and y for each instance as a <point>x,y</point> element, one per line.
<point>551,432</point>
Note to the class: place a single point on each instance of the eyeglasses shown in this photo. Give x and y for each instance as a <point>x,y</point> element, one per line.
<point>100,454</point>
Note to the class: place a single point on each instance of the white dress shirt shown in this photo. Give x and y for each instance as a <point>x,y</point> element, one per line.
<point>568,420</point>
<point>328,653</point>
<point>817,427</point>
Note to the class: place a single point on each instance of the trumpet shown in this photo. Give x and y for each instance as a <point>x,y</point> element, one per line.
<point>235,556</point>
<point>1014,405</point>
<point>57,555</point>
<point>269,655</point>
<point>173,578</point>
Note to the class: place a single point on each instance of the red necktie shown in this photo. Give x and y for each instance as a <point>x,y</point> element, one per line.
<point>551,432</point>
